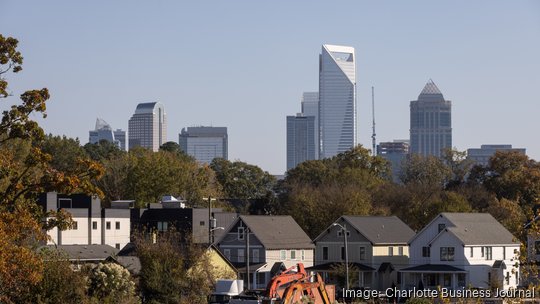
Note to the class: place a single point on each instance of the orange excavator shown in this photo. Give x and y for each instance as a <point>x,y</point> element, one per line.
<point>290,287</point>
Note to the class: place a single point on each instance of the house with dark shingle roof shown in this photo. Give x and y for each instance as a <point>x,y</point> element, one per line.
<point>377,248</point>
<point>458,250</point>
<point>275,242</point>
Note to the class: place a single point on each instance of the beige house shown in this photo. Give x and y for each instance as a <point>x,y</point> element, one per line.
<point>376,248</point>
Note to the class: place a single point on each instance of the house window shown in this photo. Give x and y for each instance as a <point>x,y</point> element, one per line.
<point>241,232</point>
<point>293,254</point>
<point>340,232</point>
<point>482,253</point>
<point>303,255</point>
<point>162,226</point>
<point>447,253</point>
<point>255,255</point>
<point>283,255</point>
<point>504,253</point>
<point>94,225</point>
<point>362,253</point>
<point>488,253</point>
<point>390,251</point>
<point>227,254</point>
<point>325,253</point>
<point>400,250</point>
<point>425,252</point>
<point>507,278</point>
<point>472,252</point>
<point>108,225</point>
<point>75,225</point>
<point>201,223</point>
<point>441,227</point>
<point>117,245</point>
<point>117,224</point>
<point>342,253</point>
<point>241,255</point>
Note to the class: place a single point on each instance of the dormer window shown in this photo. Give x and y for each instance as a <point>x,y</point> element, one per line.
<point>441,227</point>
<point>241,232</point>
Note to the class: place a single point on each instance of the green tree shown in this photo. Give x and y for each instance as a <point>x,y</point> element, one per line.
<point>66,153</point>
<point>240,180</point>
<point>60,283</point>
<point>25,171</point>
<point>511,175</point>
<point>102,150</point>
<point>165,270</point>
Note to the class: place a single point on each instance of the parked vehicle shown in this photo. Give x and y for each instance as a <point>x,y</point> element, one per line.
<point>225,291</point>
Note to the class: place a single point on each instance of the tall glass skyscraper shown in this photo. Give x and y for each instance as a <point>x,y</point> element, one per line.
<point>431,122</point>
<point>337,100</point>
<point>310,107</point>
<point>300,139</point>
<point>148,126</point>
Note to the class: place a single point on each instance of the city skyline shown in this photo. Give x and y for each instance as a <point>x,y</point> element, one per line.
<point>245,71</point>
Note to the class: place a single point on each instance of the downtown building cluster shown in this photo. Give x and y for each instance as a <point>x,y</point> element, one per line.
<point>147,128</point>
<point>327,123</point>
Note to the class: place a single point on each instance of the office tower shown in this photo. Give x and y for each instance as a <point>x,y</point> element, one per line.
<point>310,107</point>
<point>431,123</point>
<point>481,156</point>
<point>337,100</point>
<point>103,131</point>
<point>394,152</point>
<point>204,143</point>
<point>148,126</point>
<point>120,136</point>
<point>300,139</point>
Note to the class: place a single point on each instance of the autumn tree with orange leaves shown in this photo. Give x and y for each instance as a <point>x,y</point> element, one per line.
<point>26,171</point>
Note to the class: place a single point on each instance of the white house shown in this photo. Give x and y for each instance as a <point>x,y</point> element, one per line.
<point>93,225</point>
<point>459,250</point>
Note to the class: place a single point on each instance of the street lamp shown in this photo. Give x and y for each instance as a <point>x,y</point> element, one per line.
<point>344,229</point>
<point>212,233</point>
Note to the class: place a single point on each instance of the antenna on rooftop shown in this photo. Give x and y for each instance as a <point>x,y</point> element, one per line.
<point>373,152</point>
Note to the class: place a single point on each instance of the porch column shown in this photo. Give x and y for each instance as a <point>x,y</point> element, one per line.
<point>454,279</point>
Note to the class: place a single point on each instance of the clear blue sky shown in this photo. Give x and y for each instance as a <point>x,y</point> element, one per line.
<point>245,64</point>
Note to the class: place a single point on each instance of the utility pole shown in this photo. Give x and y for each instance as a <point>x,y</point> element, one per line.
<point>246,231</point>
<point>373,115</point>
<point>209,220</point>
<point>344,229</point>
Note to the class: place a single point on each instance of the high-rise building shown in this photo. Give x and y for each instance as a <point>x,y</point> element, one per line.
<point>204,143</point>
<point>337,100</point>
<point>103,131</point>
<point>481,156</point>
<point>310,107</point>
<point>431,122</point>
<point>300,139</point>
<point>394,152</point>
<point>148,126</point>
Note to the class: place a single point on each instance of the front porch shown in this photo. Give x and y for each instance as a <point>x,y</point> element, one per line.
<point>360,275</point>
<point>433,276</point>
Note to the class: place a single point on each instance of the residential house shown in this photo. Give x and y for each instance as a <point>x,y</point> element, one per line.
<point>197,223</point>
<point>459,250</point>
<point>273,243</point>
<point>91,223</point>
<point>377,247</point>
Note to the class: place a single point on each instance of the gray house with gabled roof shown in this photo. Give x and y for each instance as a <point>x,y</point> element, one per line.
<point>457,250</point>
<point>274,242</point>
<point>377,249</point>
